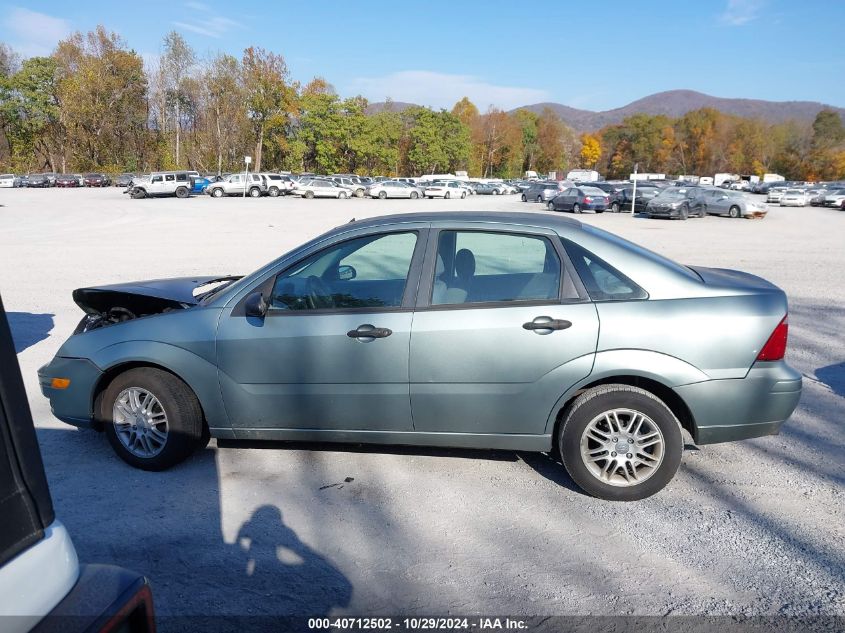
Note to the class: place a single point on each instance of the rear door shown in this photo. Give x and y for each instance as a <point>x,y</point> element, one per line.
<point>502,328</point>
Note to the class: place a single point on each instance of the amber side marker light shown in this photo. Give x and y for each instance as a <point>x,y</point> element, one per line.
<point>60,383</point>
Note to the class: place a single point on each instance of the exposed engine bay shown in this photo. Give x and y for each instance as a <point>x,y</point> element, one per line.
<point>109,305</point>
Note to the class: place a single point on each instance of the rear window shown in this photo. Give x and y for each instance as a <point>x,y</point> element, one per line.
<point>602,281</point>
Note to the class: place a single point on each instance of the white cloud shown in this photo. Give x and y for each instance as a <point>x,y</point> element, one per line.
<point>214,26</point>
<point>442,90</point>
<point>198,6</point>
<point>34,33</point>
<point>739,12</point>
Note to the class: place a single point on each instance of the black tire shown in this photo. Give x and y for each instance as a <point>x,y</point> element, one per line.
<point>734,212</point>
<point>382,195</point>
<point>463,195</point>
<point>359,193</point>
<point>273,192</point>
<point>702,212</point>
<point>576,208</point>
<point>539,198</point>
<point>217,192</point>
<point>550,205</point>
<point>447,195</point>
<point>342,195</point>
<point>614,207</point>
<point>254,192</point>
<point>182,192</point>
<point>138,194</point>
<point>414,195</point>
<point>591,404</point>
<point>524,199</point>
<point>684,213</point>
<point>184,416</point>
<point>495,192</point>
<point>309,194</point>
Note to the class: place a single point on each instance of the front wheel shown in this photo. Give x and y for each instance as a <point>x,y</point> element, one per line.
<point>137,194</point>
<point>309,194</point>
<point>550,206</point>
<point>620,443</point>
<point>254,192</point>
<point>447,195</point>
<point>414,195</point>
<point>524,199</point>
<point>152,419</point>
<point>273,192</point>
<point>342,195</point>
<point>684,213</point>
<point>382,195</point>
<point>615,207</point>
<point>217,192</point>
<point>463,195</point>
<point>734,212</point>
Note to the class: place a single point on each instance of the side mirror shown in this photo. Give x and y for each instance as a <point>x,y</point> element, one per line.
<point>346,273</point>
<point>255,305</point>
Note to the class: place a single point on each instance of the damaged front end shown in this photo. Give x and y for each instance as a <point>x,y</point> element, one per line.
<point>109,305</point>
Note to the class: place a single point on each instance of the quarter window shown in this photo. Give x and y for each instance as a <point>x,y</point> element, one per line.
<point>602,281</point>
<point>480,267</point>
<point>366,272</point>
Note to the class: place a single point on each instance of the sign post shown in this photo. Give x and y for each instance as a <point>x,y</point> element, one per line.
<point>634,194</point>
<point>247,161</point>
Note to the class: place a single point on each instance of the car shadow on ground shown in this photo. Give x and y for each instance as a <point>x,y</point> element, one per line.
<point>169,527</point>
<point>29,329</point>
<point>834,377</point>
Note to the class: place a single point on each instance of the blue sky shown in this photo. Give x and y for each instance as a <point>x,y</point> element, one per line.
<point>593,55</point>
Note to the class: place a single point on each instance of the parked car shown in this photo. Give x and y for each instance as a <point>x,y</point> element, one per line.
<point>277,184</point>
<point>355,188</point>
<point>44,586</point>
<point>162,184</point>
<point>793,198</point>
<point>578,199</point>
<point>610,188</point>
<point>775,193</point>
<point>621,200</point>
<point>486,189</point>
<point>319,188</point>
<point>544,190</point>
<point>235,184</point>
<point>123,180</point>
<point>450,189</point>
<point>835,198</point>
<point>599,358</point>
<point>97,180</point>
<point>673,202</point>
<point>393,189</point>
<point>37,180</point>
<point>8,181</point>
<point>67,180</point>
<point>734,204</point>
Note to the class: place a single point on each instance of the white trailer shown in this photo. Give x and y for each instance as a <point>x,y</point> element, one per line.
<point>773,178</point>
<point>646,176</point>
<point>583,175</point>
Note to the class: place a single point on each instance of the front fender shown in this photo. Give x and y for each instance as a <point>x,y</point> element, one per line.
<point>198,373</point>
<point>662,368</point>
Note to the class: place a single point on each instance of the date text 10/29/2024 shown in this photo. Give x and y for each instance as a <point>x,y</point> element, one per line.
<point>418,624</point>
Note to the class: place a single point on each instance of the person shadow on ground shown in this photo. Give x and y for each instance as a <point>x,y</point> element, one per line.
<point>279,564</point>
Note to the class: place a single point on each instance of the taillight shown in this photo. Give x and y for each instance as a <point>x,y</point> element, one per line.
<point>588,199</point>
<point>775,347</point>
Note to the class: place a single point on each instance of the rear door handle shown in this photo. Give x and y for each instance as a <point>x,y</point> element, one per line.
<point>369,331</point>
<point>547,323</point>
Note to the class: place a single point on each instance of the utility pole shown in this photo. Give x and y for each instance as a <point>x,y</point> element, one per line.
<point>247,161</point>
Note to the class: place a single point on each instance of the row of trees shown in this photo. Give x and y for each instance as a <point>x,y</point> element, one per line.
<point>92,105</point>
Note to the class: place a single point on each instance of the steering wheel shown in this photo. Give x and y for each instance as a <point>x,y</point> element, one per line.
<point>318,296</point>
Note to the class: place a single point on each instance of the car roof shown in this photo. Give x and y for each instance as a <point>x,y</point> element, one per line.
<point>552,222</point>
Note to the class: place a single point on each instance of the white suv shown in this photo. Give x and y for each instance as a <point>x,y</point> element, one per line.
<point>163,183</point>
<point>234,185</point>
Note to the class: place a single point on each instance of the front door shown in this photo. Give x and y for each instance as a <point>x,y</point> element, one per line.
<point>500,333</point>
<point>332,351</point>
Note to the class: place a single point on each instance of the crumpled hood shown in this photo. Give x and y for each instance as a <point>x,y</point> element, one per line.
<point>137,295</point>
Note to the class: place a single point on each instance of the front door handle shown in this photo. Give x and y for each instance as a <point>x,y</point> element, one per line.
<point>547,323</point>
<point>369,331</point>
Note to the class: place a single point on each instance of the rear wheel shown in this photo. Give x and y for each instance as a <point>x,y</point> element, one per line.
<point>463,195</point>
<point>539,198</point>
<point>524,199</point>
<point>182,192</point>
<point>615,207</point>
<point>309,194</point>
<point>684,213</point>
<point>576,208</point>
<point>734,212</point>
<point>414,195</point>
<point>359,193</point>
<point>550,206</point>
<point>495,192</point>
<point>273,192</point>
<point>152,419</point>
<point>342,195</point>
<point>447,195</point>
<point>620,443</point>
<point>382,195</point>
<point>254,192</point>
<point>137,194</point>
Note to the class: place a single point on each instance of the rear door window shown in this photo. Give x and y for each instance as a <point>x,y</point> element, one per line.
<point>602,281</point>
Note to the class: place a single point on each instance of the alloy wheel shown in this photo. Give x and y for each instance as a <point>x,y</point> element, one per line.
<point>140,422</point>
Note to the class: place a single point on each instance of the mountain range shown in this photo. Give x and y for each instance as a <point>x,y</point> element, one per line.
<point>673,103</point>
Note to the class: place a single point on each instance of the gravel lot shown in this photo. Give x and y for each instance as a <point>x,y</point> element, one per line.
<point>748,528</point>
